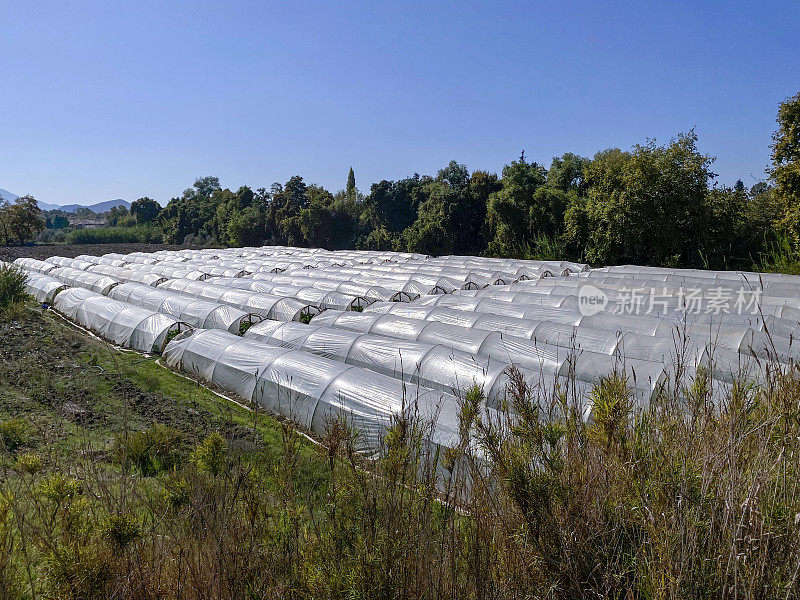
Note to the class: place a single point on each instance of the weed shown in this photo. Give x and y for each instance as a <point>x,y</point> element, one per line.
<point>12,286</point>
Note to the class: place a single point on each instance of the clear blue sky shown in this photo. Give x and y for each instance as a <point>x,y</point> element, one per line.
<point>100,100</point>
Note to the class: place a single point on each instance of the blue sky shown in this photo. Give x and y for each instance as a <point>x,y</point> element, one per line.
<point>101,100</point>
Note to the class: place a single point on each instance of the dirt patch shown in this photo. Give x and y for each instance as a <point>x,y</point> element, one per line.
<point>43,251</point>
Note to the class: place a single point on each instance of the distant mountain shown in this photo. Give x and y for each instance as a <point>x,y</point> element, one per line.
<point>100,207</point>
<point>7,196</point>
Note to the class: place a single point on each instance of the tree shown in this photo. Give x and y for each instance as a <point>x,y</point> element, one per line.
<point>115,215</point>
<point>206,186</point>
<point>451,218</point>
<point>21,220</point>
<point>567,173</point>
<point>508,214</point>
<point>647,206</point>
<point>785,170</point>
<point>145,210</point>
<point>351,183</point>
<point>393,205</point>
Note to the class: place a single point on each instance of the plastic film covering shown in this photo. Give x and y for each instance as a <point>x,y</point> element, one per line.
<point>96,282</point>
<point>308,389</point>
<point>31,264</point>
<point>276,308</point>
<point>118,322</point>
<point>533,359</point>
<point>372,289</point>
<point>195,312</point>
<point>43,287</point>
<point>429,365</point>
<point>130,276</point>
<point>74,263</point>
<point>320,298</point>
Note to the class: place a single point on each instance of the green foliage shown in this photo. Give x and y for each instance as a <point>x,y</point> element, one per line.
<point>633,195</point>
<point>785,170</point>
<point>12,286</point>
<point>14,434</point>
<point>350,190</point>
<point>145,210</point>
<point>145,234</point>
<point>20,221</point>
<point>122,530</point>
<point>211,455</point>
<point>509,210</point>
<point>154,450</point>
<point>28,462</point>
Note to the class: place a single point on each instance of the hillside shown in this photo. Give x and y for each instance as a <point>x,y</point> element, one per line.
<point>98,207</point>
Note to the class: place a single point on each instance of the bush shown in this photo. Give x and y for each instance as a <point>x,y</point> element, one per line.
<point>211,454</point>
<point>14,433</point>
<point>152,451</point>
<point>12,286</point>
<point>146,234</point>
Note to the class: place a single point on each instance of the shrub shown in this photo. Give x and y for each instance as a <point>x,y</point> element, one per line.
<point>14,433</point>
<point>122,530</point>
<point>147,234</point>
<point>28,462</point>
<point>211,455</point>
<point>12,286</point>
<point>153,450</point>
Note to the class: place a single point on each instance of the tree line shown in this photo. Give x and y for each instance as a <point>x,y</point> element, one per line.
<point>656,204</point>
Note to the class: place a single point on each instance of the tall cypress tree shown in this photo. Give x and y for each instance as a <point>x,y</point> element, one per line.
<point>351,183</point>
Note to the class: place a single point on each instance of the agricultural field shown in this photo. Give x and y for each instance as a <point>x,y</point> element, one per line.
<point>278,421</point>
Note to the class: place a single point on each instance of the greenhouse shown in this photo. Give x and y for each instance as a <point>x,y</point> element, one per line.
<point>277,308</point>
<point>31,264</point>
<point>534,359</point>
<point>434,366</point>
<point>95,282</point>
<point>43,287</point>
<point>311,390</point>
<point>318,297</point>
<point>197,313</point>
<point>118,322</point>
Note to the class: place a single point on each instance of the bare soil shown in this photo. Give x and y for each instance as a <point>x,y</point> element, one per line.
<point>43,251</point>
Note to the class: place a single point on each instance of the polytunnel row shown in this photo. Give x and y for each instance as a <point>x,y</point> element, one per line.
<point>118,322</point>
<point>311,390</point>
<point>642,341</point>
<point>542,365</point>
<point>435,366</point>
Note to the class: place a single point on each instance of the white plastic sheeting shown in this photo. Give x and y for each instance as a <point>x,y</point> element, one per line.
<point>434,366</point>
<point>95,282</point>
<point>535,359</point>
<point>43,287</point>
<point>195,312</point>
<point>277,308</point>
<point>31,264</point>
<point>320,298</point>
<point>311,390</point>
<point>118,322</point>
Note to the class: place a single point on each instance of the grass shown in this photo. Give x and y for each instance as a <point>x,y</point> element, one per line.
<point>125,480</point>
